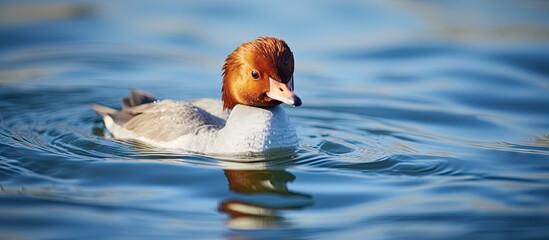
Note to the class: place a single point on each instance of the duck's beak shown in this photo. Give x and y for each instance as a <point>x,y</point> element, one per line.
<point>283,92</point>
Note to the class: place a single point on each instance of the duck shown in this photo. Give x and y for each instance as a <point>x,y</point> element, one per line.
<point>248,120</point>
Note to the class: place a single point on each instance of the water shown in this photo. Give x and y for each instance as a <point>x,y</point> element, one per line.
<point>425,119</point>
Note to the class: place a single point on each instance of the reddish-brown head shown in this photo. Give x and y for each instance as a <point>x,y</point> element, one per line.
<point>259,73</point>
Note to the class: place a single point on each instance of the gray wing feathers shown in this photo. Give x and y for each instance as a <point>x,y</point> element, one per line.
<point>160,120</point>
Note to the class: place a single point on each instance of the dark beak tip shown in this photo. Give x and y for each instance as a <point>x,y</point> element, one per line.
<point>297,101</point>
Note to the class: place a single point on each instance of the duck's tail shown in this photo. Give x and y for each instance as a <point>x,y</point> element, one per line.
<point>137,98</point>
<point>103,110</point>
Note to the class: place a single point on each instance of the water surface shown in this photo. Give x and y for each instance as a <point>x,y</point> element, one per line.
<point>424,119</point>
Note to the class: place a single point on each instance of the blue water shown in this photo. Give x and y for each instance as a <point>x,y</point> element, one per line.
<point>421,119</point>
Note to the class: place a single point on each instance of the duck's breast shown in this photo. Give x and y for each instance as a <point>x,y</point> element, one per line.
<point>258,130</point>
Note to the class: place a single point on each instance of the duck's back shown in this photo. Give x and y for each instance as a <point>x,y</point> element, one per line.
<point>142,117</point>
<point>167,120</point>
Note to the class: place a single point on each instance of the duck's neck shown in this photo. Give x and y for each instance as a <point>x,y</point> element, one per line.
<point>253,129</point>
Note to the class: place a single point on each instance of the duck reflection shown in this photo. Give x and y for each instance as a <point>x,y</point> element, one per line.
<point>262,195</point>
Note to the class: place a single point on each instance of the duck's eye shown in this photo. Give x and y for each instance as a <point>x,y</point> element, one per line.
<point>255,74</point>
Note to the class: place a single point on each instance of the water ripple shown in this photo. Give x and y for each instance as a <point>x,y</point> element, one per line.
<point>415,118</point>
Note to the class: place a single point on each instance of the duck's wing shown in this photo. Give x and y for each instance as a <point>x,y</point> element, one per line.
<point>159,121</point>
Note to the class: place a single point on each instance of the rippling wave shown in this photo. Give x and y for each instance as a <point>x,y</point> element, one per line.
<point>417,121</point>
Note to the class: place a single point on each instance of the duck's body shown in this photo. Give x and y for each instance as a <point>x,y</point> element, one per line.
<point>205,126</point>
<point>186,126</point>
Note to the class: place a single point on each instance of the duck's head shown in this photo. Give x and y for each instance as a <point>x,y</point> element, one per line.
<point>259,73</point>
